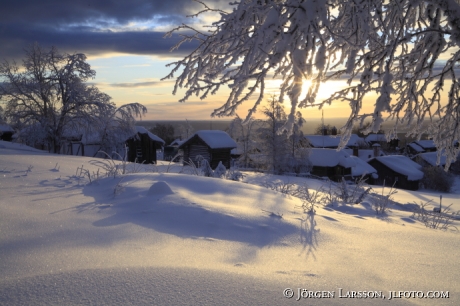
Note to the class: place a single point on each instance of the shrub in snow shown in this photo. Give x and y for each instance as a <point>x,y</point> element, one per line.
<point>234,175</point>
<point>455,166</point>
<point>382,201</point>
<point>310,198</point>
<point>204,166</point>
<point>329,196</point>
<point>354,193</point>
<point>283,187</point>
<point>119,188</point>
<point>442,219</point>
<point>220,170</point>
<point>435,178</point>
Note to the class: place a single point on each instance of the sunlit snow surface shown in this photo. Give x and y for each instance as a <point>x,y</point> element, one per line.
<point>178,239</point>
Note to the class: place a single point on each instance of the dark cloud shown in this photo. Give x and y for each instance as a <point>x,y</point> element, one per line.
<point>89,42</point>
<point>58,12</point>
<point>84,25</point>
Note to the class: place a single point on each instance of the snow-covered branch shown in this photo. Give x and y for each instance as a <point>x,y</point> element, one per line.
<point>406,51</point>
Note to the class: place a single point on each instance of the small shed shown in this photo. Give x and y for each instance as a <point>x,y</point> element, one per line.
<point>421,146</point>
<point>397,170</point>
<point>214,146</point>
<point>331,163</point>
<point>143,146</point>
<point>6,131</point>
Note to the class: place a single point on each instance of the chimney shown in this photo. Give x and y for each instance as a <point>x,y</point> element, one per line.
<point>324,129</point>
<point>376,148</point>
<point>334,131</point>
<point>355,151</point>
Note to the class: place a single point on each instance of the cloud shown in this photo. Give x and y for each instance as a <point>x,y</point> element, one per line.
<point>89,42</point>
<point>134,85</point>
<point>95,27</point>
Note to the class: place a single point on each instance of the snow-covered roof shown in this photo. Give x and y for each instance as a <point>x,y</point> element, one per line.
<point>364,154</point>
<point>238,150</point>
<point>143,130</point>
<point>330,158</point>
<point>416,147</point>
<point>402,164</point>
<point>376,138</point>
<point>176,142</point>
<point>432,157</point>
<point>361,167</point>
<point>426,144</point>
<point>214,139</point>
<point>5,128</point>
<point>331,141</point>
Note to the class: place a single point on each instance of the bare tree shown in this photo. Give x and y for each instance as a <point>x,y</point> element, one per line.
<point>273,145</point>
<point>321,128</point>
<point>407,51</point>
<point>245,137</point>
<point>114,126</point>
<point>165,131</point>
<point>48,95</point>
<point>185,130</point>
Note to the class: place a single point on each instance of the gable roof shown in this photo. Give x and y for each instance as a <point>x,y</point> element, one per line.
<point>361,167</point>
<point>5,128</point>
<point>143,130</point>
<point>214,139</point>
<point>432,158</point>
<point>403,165</point>
<point>330,158</point>
<point>176,142</point>
<point>426,144</point>
<point>416,147</point>
<point>331,141</point>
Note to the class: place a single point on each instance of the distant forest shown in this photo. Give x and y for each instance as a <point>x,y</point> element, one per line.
<point>308,128</point>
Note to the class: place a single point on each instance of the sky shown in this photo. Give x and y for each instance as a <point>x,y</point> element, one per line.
<point>124,42</point>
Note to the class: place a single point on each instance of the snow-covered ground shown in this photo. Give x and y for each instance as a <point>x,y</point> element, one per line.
<point>176,239</point>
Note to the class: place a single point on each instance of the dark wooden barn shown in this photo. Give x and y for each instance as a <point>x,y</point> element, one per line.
<point>396,170</point>
<point>331,163</point>
<point>6,132</point>
<point>214,146</point>
<point>143,146</point>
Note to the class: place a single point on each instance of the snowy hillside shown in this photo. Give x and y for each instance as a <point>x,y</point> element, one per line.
<point>157,238</point>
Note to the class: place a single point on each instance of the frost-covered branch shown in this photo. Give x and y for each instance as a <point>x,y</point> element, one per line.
<point>406,51</point>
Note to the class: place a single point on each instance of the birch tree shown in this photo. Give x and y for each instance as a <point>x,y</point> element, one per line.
<point>245,137</point>
<point>406,51</point>
<point>48,96</point>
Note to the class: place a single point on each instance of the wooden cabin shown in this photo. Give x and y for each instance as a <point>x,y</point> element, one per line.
<point>421,146</point>
<point>396,170</point>
<point>212,145</point>
<point>143,146</point>
<point>6,132</point>
<point>331,163</point>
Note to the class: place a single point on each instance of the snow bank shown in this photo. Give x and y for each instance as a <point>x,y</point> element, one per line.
<point>211,241</point>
